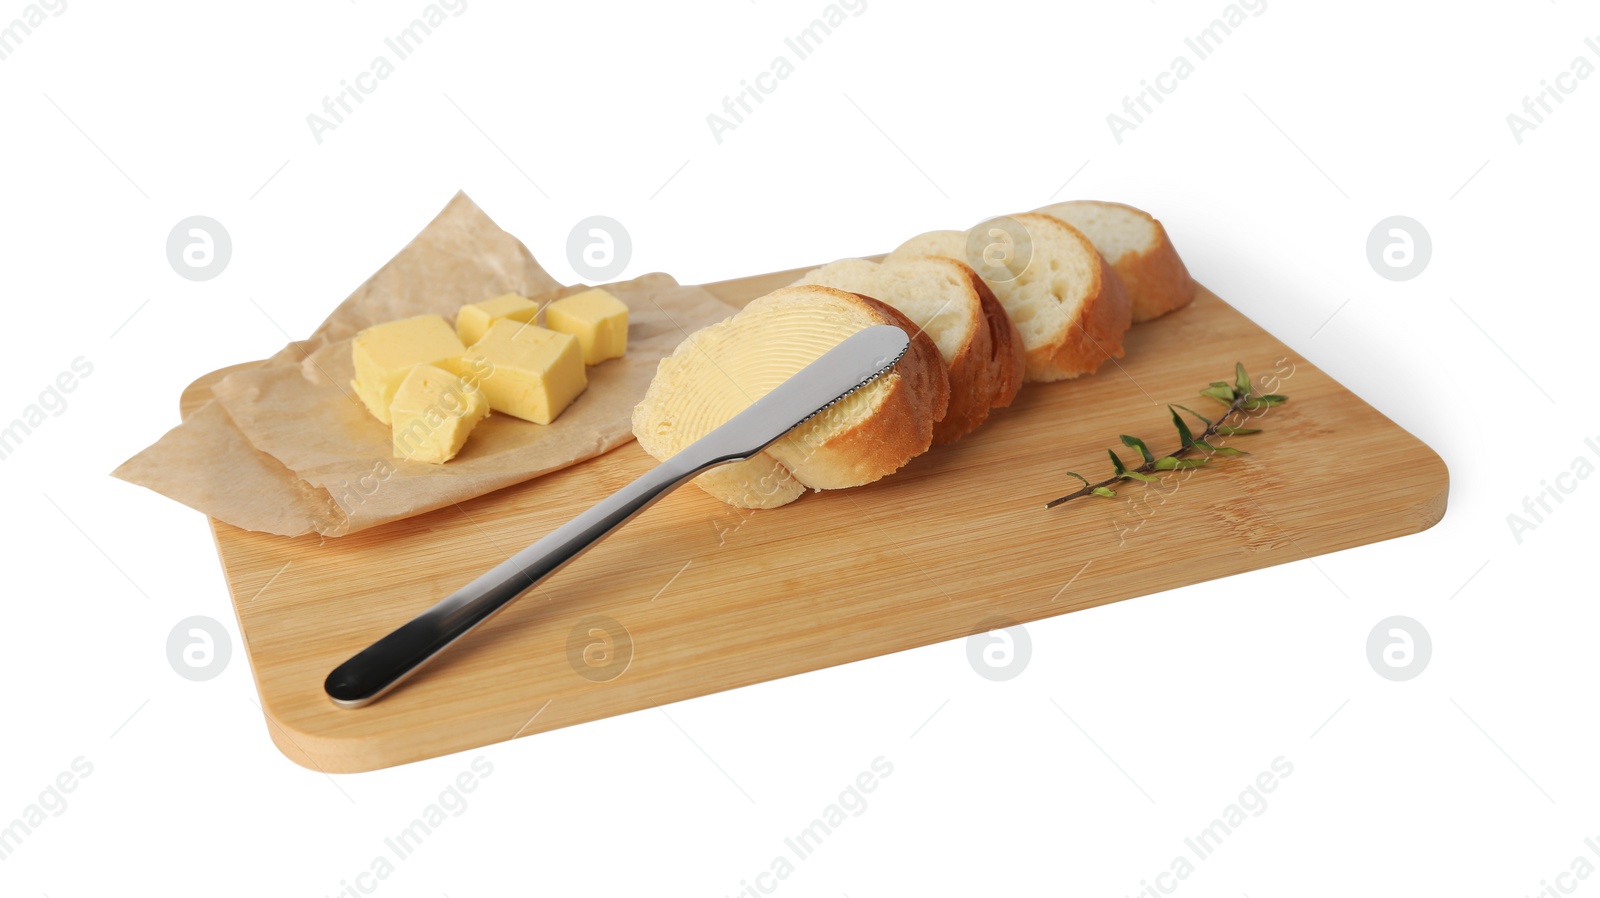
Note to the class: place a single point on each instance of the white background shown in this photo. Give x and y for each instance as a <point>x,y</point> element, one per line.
<point>1269,166</point>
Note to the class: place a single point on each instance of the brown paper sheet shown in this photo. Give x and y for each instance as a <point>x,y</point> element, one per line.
<point>286,447</point>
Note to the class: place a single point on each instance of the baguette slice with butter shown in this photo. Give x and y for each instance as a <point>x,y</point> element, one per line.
<point>1067,303</point>
<point>1138,249</point>
<point>948,300</point>
<point>722,369</point>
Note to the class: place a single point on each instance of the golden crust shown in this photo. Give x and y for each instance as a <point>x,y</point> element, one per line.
<point>1097,335</point>
<point>1158,282</point>
<point>1156,278</point>
<point>1103,319</point>
<point>1003,360</point>
<point>984,368</point>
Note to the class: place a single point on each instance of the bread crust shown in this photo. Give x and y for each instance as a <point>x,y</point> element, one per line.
<point>1156,279</point>
<point>972,373</point>
<point>900,430</point>
<point>1158,282</point>
<point>1006,361</point>
<point>1083,344</point>
<point>1097,333</point>
<point>985,369</point>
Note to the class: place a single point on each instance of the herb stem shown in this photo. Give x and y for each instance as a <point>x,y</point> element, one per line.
<point>1234,407</point>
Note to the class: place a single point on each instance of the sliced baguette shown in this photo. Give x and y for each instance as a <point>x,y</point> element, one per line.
<point>951,304</point>
<point>1067,303</point>
<point>1138,249</point>
<point>722,369</point>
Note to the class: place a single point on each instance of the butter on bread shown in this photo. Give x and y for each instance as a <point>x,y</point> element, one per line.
<point>724,368</point>
<point>946,298</point>
<point>1138,249</point>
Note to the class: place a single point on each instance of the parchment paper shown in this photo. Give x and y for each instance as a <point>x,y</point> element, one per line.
<point>286,447</point>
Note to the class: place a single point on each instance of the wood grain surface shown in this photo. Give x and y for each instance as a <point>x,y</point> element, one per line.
<point>694,597</point>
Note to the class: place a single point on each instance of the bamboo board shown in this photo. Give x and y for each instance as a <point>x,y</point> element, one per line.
<point>694,597</point>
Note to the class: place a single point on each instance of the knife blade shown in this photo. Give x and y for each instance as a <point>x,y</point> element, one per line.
<point>856,361</point>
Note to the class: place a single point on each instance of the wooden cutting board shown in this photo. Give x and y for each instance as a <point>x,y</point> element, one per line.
<point>694,597</point>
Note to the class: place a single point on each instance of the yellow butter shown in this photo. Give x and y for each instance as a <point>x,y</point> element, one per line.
<point>385,353</point>
<point>527,371</point>
<point>473,321</point>
<point>432,413</point>
<point>599,321</point>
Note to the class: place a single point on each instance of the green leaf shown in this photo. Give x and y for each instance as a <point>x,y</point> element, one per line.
<point>1117,462</point>
<point>1229,430</point>
<point>1267,401</point>
<point>1275,398</point>
<point>1079,476</point>
<point>1136,443</point>
<point>1168,463</point>
<point>1135,475</point>
<point>1223,384</point>
<point>1102,491</point>
<point>1195,413</point>
<point>1184,435</point>
<point>1205,445</point>
<point>1227,450</point>
<point>1223,394</point>
<point>1241,380</point>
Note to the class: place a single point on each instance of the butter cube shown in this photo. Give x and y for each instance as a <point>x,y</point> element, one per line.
<point>599,321</point>
<point>473,321</point>
<point>385,353</point>
<point>527,371</point>
<point>433,412</point>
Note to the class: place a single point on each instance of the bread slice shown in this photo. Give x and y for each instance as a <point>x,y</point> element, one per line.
<point>1138,249</point>
<point>952,305</point>
<point>722,369</point>
<point>1067,303</point>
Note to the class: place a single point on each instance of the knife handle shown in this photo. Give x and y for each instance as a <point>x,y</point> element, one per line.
<point>386,663</point>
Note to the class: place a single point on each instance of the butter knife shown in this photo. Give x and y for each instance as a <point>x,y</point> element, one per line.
<point>380,667</point>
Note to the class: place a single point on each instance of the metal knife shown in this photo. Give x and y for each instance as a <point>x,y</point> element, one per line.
<point>859,358</point>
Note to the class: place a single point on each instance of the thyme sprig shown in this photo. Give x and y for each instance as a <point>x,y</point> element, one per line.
<point>1238,396</point>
